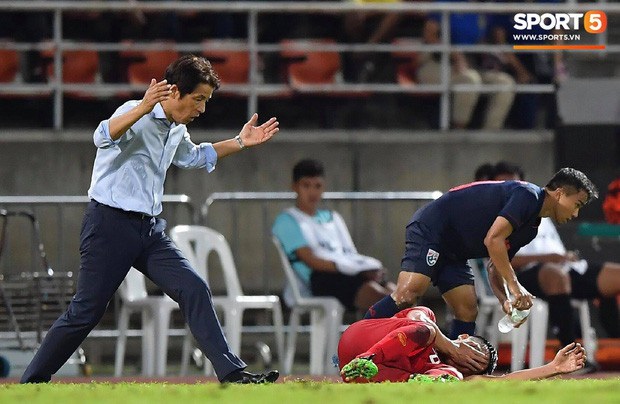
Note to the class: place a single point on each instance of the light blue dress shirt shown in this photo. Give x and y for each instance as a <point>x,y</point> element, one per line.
<point>129,173</point>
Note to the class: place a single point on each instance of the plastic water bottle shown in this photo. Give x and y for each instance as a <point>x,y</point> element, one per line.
<point>508,322</point>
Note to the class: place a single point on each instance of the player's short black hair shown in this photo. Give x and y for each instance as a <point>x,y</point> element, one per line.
<point>188,71</point>
<point>569,177</point>
<point>508,168</point>
<point>492,354</point>
<point>308,168</point>
<point>484,172</point>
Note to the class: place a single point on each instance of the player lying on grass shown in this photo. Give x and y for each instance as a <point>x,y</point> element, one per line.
<point>410,347</point>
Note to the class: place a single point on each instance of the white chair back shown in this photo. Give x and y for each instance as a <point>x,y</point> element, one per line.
<point>197,242</point>
<point>291,276</point>
<point>133,286</point>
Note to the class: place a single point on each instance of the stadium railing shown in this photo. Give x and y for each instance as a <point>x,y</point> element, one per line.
<point>60,218</point>
<point>252,10</point>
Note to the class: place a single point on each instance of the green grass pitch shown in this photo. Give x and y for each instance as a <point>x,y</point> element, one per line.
<point>582,391</point>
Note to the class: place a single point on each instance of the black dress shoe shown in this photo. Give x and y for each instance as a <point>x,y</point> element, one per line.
<point>243,377</point>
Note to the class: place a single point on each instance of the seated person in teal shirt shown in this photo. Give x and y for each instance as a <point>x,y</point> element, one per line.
<point>320,248</point>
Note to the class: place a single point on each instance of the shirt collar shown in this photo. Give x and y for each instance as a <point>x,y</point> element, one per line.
<point>158,113</point>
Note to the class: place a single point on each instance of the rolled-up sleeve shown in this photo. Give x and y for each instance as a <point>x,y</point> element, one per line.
<point>101,136</point>
<point>190,155</point>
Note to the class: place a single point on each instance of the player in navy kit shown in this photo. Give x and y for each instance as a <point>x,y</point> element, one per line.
<point>477,220</point>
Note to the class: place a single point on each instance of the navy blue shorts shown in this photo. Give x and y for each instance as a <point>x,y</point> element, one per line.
<point>423,256</point>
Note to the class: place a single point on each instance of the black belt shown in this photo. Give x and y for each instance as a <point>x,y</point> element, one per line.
<point>135,215</point>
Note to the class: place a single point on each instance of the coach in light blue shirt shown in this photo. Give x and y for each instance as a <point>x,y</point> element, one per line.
<point>135,148</point>
<point>129,172</point>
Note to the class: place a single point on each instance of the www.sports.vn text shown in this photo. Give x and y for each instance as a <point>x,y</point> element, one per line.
<point>546,37</point>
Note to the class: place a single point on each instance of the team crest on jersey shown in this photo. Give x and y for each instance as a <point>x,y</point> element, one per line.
<point>431,257</point>
<point>402,338</point>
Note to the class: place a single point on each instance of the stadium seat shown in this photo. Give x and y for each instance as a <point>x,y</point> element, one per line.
<point>326,314</point>
<point>232,65</point>
<point>9,68</point>
<point>156,311</point>
<point>78,67</point>
<point>144,65</point>
<point>313,76</point>
<point>196,243</point>
<point>490,312</point>
<point>310,66</point>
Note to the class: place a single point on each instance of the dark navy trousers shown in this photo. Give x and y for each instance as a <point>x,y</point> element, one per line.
<point>112,241</point>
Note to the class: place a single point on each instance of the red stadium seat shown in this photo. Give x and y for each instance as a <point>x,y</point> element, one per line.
<point>78,66</point>
<point>310,66</point>
<point>231,65</point>
<point>144,65</point>
<point>9,65</point>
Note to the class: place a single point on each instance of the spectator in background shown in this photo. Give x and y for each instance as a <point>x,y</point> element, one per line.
<point>28,26</point>
<point>466,29</point>
<point>611,203</point>
<point>528,68</point>
<point>320,248</point>
<point>553,273</point>
<point>484,172</point>
<point>371,27</point>
<point>196,25</point>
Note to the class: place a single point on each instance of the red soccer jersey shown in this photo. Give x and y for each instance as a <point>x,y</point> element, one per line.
<point>401,354</point>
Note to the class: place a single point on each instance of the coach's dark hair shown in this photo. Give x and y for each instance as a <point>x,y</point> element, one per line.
<point>569,177</point>
<point>308,168</point>
<point>188,71</point>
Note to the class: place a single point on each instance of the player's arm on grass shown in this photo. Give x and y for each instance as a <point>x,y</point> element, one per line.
<point>495,241</point>
<point>568,359</point>
<point>462,354</point>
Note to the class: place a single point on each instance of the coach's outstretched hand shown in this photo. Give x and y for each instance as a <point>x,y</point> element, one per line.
<point>252,135</point>
<point>570,358</point>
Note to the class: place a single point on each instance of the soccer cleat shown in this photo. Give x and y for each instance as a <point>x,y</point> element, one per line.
<point>419,378</point>
<point>243,377</point>
<point>359,367</point>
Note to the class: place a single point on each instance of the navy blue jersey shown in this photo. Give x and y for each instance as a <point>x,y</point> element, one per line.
<point>461,218</point>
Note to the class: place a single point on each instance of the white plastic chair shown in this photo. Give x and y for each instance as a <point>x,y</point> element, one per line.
<point>535,327</point>
<point>489,311</point>
<point>196,243</point>
<point>156,311</point>
<point>325,323</point>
